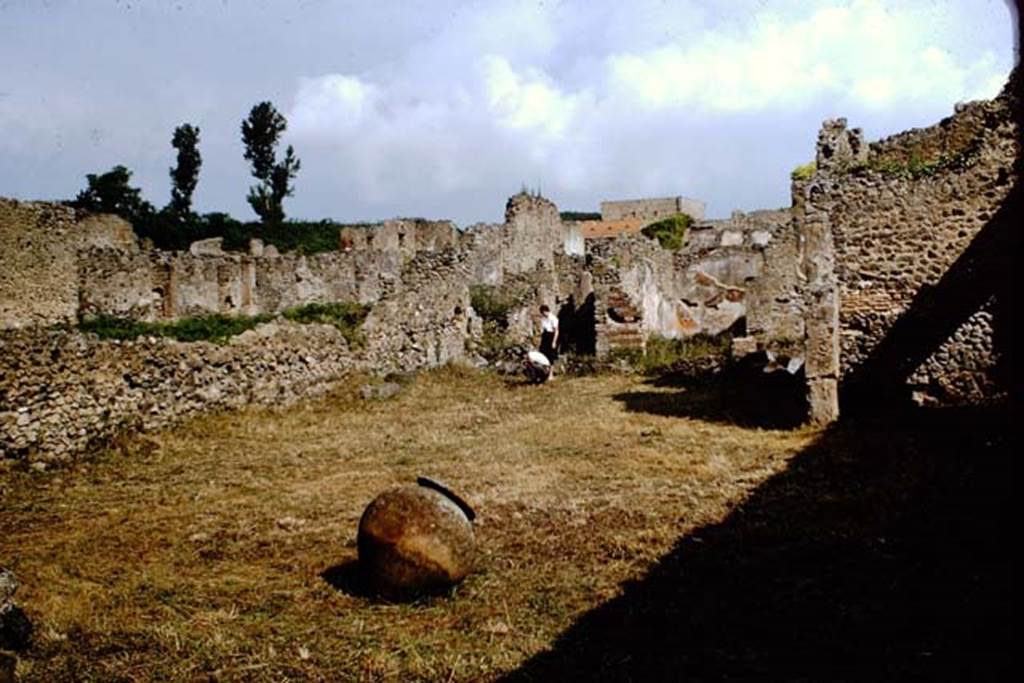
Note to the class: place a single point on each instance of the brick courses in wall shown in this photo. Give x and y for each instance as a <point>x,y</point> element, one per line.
<point>883,224</point>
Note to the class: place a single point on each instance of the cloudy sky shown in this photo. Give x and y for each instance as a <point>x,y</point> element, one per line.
<point>443,108</point>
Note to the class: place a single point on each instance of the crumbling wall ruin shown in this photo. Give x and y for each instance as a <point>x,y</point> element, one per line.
<point>38,274</point>
<point>722,279</point>
<point>62,391</point>
<point>886,228</point>
<point>651,209</point>
<point>427,322</point>
<point>878,234</point>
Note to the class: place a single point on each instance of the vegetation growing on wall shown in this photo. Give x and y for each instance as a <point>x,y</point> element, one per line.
<point>803,171</point>
<point>218,328</point>
<point>215,328</point>
<point>670,232</point>
<point>347,316</point>
<point>490,304</point>
<point>917,165</point>
<point>493,305</point>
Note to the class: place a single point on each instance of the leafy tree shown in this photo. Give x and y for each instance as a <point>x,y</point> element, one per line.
<point>260,134</point>
<point>185,176</point>
<point>110,193</point>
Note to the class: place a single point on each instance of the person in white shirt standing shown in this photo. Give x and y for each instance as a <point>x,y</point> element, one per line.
<point>549,336</point>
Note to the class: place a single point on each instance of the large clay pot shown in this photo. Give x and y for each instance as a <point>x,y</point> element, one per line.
<point>416,539</point>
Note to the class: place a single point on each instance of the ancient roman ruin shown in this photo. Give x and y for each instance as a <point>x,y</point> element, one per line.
<point>880,233</point>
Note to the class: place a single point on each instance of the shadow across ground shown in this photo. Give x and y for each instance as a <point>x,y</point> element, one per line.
<point>741,395</point>
<point>880,553</point>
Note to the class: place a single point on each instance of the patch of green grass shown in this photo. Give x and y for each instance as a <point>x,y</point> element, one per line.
<point>670,232</point>
<point>663,355</point>
<point>804,171</point>
<point>347,316</point>
<point>215,328</point>
<point>218,328</point>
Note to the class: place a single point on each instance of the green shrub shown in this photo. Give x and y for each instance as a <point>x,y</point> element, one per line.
<point>494,344</point>
<point>491,304</point>
<point>804,171</point>
<point>348,317</point>
<point>670,232</point>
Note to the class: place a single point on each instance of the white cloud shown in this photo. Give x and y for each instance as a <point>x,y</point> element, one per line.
<point>494,101</point>
<point>529,100</point>
<point>862,54</point>
<point>333,104</point>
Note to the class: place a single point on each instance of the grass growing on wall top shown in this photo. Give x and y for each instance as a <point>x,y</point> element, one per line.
<point>804,171</point>
<point>670,232</point>
<point>346,316</point>
<point>215,328</point>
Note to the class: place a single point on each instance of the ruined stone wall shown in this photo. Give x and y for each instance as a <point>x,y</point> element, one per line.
<point>426,322</point>
<point>57,270</point>
<point>651,209</point>
<point>775,303</point>
<point>884,223</point>
<point>37,263</point>
<point>723,279</point>
<point>533,233</point>
<point>404,235</point>
<point>61,391</point>
<point>482,244</point>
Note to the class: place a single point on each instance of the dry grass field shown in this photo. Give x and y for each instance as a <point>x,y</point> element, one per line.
<point>628,530</point>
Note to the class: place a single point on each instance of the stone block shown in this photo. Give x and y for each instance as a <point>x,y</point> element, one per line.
<point>823,401</point>
<point>213,246</point>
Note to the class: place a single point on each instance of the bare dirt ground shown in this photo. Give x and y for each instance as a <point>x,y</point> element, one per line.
<point>628,530</point>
